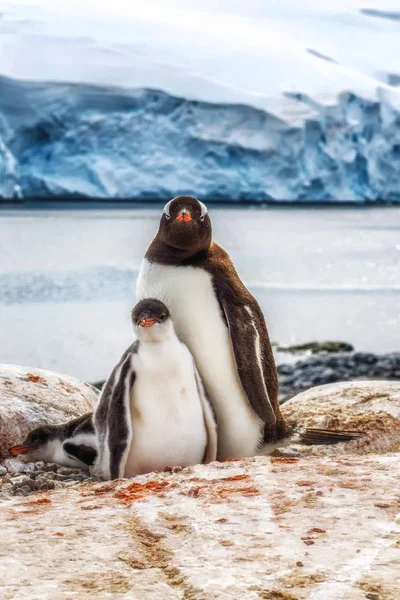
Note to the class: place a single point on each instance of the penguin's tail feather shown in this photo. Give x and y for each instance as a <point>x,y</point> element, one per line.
<point>312,436</point>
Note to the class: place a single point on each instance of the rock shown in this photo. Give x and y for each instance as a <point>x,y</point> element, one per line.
<point>15,466</point>
<point>316,348</point>
<point>50,467</point>
<point>47,485</point>
<point>371,407</point>
<point>17,480</point>
<point>68,471</point>
<point>366,358</point>
<point>3,471</point>
<point>285,369</point>
<point>32,397</point>
<point>277,528</point>
<point>38,476</point>
<point>21,491</point>
<point>329,368</point>
<point>22,481</point>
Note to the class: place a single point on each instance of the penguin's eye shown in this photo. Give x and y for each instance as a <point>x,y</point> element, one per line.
<point>163,317</point>
<point>168,217</point>
<point>202,218</point>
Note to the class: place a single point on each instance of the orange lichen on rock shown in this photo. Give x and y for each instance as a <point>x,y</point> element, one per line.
<point>34,379</point>
<point>107,487</point>
<point>284,459</point>
<point>222,490</point>
<point>71,389</point>
<point>37,502</point>
<point>138,491</point>
<point>40,501</point>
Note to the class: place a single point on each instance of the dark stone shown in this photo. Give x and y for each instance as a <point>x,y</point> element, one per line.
<point>21,491</point>
<point>285,369</point>
<point>322,369</point>
<point>50,467</point>
<point>365,357</point>
<point>69,471</point>
<point>316,348</point>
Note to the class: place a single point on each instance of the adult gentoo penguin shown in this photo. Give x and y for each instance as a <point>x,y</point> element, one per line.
<point>153,411</point>
<point>220,322</point>
<point>72,444</point>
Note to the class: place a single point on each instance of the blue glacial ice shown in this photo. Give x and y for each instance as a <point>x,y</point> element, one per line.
<point>240,101</point>
<point>89,141</point>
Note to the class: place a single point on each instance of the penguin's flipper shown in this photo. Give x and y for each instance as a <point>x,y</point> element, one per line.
<point>103,418</point>
<point>119,423</point>
<point>82,452</point>
<point>84,424</point>
<point>248,351</point>
<point>209,420</point>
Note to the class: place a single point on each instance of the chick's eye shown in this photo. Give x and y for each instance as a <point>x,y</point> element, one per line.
<point>162,317</point>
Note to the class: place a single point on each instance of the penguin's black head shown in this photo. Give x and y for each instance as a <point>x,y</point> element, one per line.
<point>34,440</point>
<point>185,225</point>
<point>149,311</point>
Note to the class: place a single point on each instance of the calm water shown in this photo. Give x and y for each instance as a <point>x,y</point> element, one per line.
<point>67,278</point>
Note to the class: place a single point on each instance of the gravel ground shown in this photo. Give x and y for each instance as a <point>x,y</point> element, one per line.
<point>22,479</point>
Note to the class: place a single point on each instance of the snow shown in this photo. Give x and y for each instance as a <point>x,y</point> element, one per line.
<point>258,101</point>
<point>216,52</point>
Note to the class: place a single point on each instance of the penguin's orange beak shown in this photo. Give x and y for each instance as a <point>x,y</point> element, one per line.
<point>15,450</point>
<point>148,322</point>
<point>184,216</point>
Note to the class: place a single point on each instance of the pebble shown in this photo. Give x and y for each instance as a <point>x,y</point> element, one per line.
<point>22,491</point>
<point>286,452</point>
<point>68,471</point>
<point>21,479</point>
<point>50,467</point>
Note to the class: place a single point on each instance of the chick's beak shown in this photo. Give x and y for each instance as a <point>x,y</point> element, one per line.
<point>147,322</point>
<point>20,449</point>
<point>184,216</point>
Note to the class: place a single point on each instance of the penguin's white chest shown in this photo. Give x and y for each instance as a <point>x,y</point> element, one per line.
<point>190,297</point>
<point>168,427</point>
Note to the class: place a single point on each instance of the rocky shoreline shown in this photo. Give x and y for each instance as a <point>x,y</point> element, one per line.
<point>314,370</point>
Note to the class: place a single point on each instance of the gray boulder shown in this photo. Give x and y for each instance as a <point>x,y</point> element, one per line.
<point>31,397</point>
<point>370,407</point>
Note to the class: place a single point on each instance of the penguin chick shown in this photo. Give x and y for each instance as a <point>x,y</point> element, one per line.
<point>72,444</point>
<point>153,411</point>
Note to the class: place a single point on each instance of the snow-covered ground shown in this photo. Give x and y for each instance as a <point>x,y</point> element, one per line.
<point>230,50</point>
<point>280,100</point>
